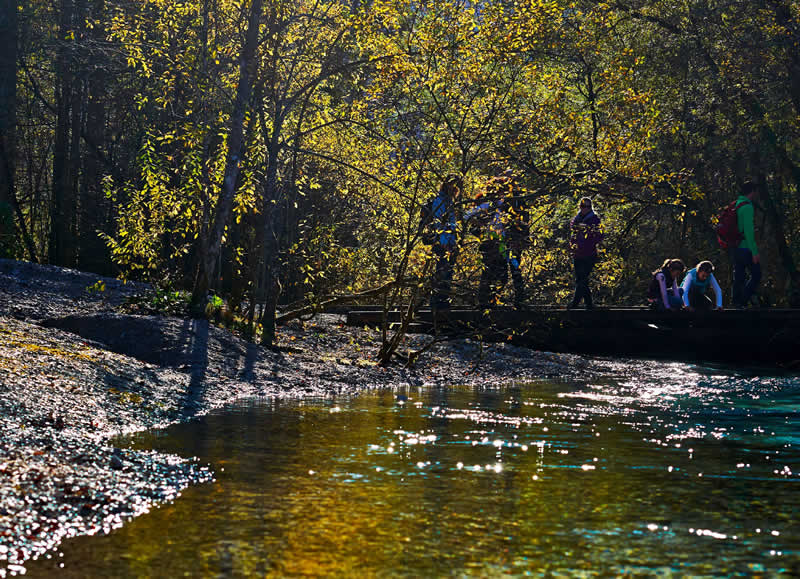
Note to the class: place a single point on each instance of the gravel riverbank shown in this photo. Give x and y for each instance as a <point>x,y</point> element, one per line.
<point>75,371</point>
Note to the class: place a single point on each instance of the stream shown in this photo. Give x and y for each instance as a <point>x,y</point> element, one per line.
<point>662,469</point>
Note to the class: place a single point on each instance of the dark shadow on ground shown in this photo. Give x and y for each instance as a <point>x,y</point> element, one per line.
<point>140,337</point>
<point>195,334</point>
<point>248,372</point>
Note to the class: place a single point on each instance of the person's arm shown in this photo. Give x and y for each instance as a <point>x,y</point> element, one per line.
<point>475,210</point>
<point>717,291</point>
<point>573,237</point>
<point>687,285</point>
<point>597,231</point>
<point>663,287</point>
<point>744,216</point>
<point>427,223</point>
<point>675,290</point>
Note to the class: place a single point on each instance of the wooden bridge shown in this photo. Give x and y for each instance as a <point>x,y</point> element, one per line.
<point>763,336</point>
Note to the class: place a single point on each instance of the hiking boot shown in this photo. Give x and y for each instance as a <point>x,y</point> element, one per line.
<point>754,302</point>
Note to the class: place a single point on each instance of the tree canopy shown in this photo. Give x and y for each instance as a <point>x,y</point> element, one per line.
<point>278,151</point>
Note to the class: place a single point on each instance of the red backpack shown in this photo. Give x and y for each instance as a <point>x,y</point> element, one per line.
<point>728,234</point>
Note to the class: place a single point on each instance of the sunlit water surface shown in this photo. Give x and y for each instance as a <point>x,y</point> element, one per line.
<point>664,470</point>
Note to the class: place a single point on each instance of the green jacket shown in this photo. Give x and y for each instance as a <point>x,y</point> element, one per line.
<point>744,218</point>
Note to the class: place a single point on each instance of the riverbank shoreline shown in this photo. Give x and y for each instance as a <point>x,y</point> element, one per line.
<point>75,371</point>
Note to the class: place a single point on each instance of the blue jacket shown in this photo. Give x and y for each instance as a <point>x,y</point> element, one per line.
<point>444,220</point>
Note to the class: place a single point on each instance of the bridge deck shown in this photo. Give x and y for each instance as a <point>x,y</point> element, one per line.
<point>745,336</point>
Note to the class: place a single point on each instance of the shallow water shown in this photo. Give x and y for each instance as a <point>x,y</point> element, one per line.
<point>666,469</point>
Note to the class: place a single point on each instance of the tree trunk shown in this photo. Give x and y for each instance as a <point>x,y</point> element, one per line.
<point>8,122</point>
<point>93,255</point>
<point>72,207</point>
<point>273,219</point>
<point>59,211</point>
<point>213,243</point>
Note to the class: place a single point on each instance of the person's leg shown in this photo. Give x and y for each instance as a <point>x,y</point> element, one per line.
<point>486,279</point>
<point>699,300</point>
<point>442,277</point>
<point>742,259</point>
<point>674,301</point>
<point>515,262</point>
<point>500,273</point>
<point>484,289</point>
<point>587,290</point>
<point>491,274</point>
<point>752,284</point>
<point>576,299</point>
<point>445,267</point>
<point>582,270</point>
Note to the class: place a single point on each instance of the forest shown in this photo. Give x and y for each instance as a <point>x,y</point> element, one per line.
<point>273,154</point>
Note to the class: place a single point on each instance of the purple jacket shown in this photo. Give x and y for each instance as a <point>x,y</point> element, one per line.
<point>586,234</point>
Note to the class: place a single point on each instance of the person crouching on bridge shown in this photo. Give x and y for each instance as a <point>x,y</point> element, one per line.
<point>695,286</point>
<point>664,293</point>
<point>586,236</point>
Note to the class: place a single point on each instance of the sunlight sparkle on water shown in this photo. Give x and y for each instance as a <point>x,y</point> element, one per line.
<point>502,473</point>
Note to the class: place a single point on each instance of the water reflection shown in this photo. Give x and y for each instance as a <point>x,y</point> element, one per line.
<point>666,469</point>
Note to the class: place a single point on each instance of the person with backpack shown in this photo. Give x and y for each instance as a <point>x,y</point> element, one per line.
<point>586,236</point>
<point>659,295</point>
<point>744,254</point>
<point>438,228</point>
<point>501,222</point>
<point>695,286</point>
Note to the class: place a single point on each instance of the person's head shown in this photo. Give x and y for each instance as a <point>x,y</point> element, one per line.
<point>750,190</point>
<point>508,173</point>
<point>704,269</point>
<point>494,189</point>
<point>452,186</point>
<point>585,205</point>
<point>674,267</point>
<point>506,182</point>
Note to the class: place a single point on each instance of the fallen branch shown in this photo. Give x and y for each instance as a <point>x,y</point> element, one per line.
<point>389,348</point>
<point>335,301</point>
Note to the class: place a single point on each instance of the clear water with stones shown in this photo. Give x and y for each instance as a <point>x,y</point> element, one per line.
<point>660,469</point>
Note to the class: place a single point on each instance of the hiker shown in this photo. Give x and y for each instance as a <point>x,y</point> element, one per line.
<point>516,220</point>
<point>695,285</point>
<point>664,293</point>
<point>500,220</point>
<point>744,256</point>
<point>438,228</point>
<point>586,235</point>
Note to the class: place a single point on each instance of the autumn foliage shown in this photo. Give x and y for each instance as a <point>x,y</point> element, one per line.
<point>276,152</point>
